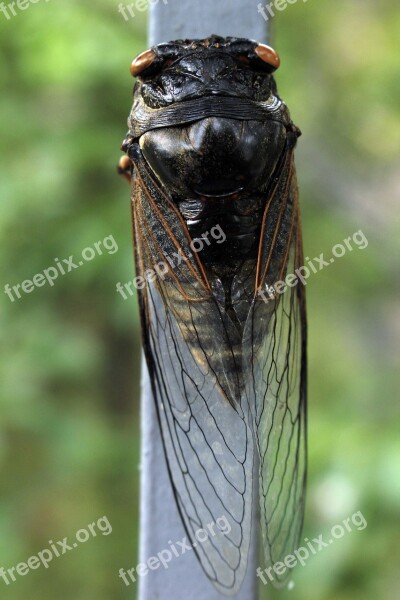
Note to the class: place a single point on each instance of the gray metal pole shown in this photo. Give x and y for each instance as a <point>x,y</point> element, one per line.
<point>160,523</point>
<point>180,19</point>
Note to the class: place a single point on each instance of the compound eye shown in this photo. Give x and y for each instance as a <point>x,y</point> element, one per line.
<point>142,62</point>
<point>268,55</point>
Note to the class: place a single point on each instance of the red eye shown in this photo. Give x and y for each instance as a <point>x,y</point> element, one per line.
<point>124,163</point>
<point>268,55</point>
<point>142,61</point>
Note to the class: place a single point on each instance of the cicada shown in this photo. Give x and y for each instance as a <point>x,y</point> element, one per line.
<point>210,149</point>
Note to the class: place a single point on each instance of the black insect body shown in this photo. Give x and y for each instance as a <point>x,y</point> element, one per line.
<point>210,148</point>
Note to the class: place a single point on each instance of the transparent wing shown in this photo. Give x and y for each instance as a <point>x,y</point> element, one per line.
<point>274,365</point>
<point>192,350</point>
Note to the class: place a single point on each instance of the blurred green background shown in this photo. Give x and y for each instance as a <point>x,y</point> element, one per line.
<point>69,366</point>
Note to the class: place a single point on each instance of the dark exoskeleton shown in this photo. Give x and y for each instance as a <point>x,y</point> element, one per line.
<point>210,147</point>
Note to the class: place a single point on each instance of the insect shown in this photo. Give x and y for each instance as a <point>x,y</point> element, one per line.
<point>210,148</point>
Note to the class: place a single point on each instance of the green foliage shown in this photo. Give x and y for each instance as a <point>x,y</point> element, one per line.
<point>69,442</point>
